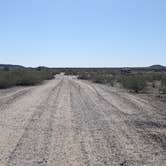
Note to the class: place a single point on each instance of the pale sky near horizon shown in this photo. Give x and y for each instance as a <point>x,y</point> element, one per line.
<point>83,33</point>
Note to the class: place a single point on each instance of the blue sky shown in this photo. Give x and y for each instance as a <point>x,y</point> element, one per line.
<point>83,33</point>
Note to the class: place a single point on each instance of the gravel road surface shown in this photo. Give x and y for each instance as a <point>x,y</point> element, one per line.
<point>70,122</point>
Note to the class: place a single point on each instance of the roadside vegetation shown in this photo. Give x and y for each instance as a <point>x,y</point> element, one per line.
<point>163,85</point>
<point>138,81</point>
<point>134,81</point>
<point>25,77</point>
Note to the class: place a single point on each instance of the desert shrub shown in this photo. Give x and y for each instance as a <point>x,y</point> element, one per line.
<point>70,71</point>
<point>7,79</point>
<point>84,76</point>
<point>104,79</point>
<point>163,85</point>
<point>163,80</point>
<point>136,80</point>
<point>152,76</point>
<point>162,89</point>
<point>97,77</point>
<point>134,83</point>
<point>23,77</point>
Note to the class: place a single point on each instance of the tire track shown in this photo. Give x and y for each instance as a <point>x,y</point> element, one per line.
<point>148,125</point>
<point>129,138</point>
<point>33,146</point>
<point>105,147</point>
<point>134,100</point>
<point>80,124</point>
<point>7,100</point>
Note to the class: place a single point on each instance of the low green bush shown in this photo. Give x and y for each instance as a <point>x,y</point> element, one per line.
<point>23,77</point>
<point>134,83</point>
<point>163,85</point>
<point>163,80</point>
<point>84,76</point>
<point>97,78</point>
<point>162,89</point>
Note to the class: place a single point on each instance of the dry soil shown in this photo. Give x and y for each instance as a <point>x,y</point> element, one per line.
<point>69,122</point>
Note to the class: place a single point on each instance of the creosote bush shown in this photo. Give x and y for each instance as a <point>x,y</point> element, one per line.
<point>97,78</point>
<point>23,77</point>
<point>163,85</point>
<point>133,82</point>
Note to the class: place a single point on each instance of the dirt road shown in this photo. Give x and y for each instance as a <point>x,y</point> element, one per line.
<point>69,122</point>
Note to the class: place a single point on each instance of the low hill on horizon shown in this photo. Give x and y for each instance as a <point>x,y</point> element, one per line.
<point>157,67</point>
<point>12,67</point>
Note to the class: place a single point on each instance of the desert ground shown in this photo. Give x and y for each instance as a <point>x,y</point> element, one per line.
<point>71,122</point>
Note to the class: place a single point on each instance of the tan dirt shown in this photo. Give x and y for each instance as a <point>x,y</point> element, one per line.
<point>69,122</point>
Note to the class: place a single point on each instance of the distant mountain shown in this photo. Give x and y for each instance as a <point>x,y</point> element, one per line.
<point>157,67</point>
<point>9,66</point>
